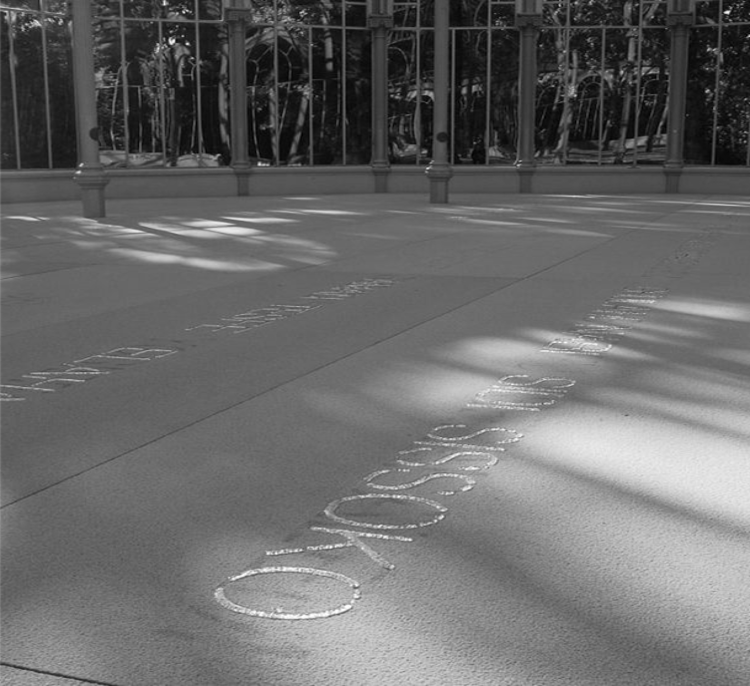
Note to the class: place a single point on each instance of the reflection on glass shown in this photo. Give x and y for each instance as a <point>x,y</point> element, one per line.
<point>9,132</point>
<point>326,70</point>
<point>158,89</point>
<point>163,92</point>
<point>703,68</point>
<point>358,131</point>
<point>60,98</point>
<point>34,52</point>
<point>410,96</point>
<point>602,95</point>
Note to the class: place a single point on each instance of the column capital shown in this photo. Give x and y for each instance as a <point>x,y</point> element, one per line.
<point>680,12</point>
<point>527,21</point>
<point>237,14</point>
<point>676,19</point>
<point>380,21</point>
<point>380,14</point>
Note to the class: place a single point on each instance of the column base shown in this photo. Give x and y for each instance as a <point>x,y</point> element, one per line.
<point>672,179</point>
<point>242,175</point>
<point>92,181</point>
<point>439,175</point>
<point>525,175</point>
<point>380,171</point>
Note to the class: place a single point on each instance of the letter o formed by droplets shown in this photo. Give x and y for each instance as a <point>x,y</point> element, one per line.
<point>440,509</point>
<point>222,599</point>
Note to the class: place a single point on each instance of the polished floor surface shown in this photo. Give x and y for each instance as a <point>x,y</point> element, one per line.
<point>365,440</point>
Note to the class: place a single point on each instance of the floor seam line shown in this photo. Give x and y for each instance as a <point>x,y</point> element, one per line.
<point>57,674</point>
<point>249,399</point>
<point>313,371</point>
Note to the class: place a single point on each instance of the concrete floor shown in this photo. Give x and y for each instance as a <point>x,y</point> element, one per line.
<point>192,384</point>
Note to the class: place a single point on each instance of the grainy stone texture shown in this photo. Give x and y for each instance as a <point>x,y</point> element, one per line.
<point>175,445</point>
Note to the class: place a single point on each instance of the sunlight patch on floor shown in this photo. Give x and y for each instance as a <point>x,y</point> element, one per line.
<point>714,309</point>
<point>634,450</point>
<point>263,220</point>
<point>490,353</point>
<point>198,262</point>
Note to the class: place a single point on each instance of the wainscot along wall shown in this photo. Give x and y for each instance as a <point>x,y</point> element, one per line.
<point>56,185</point>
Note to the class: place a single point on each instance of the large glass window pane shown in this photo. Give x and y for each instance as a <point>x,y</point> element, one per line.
<point>410,96</point>
<point>503,131</point>
<point>261,93</point>
<point>703,66</point>
<point>214,102</point>
<point>602,95</point>
<point>292,112</point>
<point>182,77</point>
<point>108,46</point>
<point>161,88</point>
<point>61,97</point>
<point>26,56</point>
<point>138,79</point>
<point>469,106</point>
<point>358,97</point>
<point>558,64</point>
<point>733,111</point>
<point>328,124</point>
<point>718,109</point>
<point>9,132</point>
<point>162,84</point>
<point>653,89</point>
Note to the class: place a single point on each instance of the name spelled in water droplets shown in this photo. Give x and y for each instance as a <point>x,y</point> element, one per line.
<point>261,316</point>
<point>510,393</point>
<point>79,371</point>
<point>603,326</point>
<point>448,454</point>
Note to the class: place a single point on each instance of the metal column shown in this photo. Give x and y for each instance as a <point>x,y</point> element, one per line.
<point>439,170</point>
<point>679,19</point>
<point>380,19</point>
<point>528,21</point>
<point>237,18</point>
<point>90,173</point>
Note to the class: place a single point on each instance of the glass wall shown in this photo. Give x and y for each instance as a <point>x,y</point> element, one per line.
<point>603,83</point>
<point>163,92</point>
<point>159,70</point>
<point>38,128</point>
<point>718,100</point>
<point>483,82</point>
<point>308,82</point>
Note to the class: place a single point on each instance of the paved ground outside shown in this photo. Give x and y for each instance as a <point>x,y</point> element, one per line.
<point>365,440</point>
